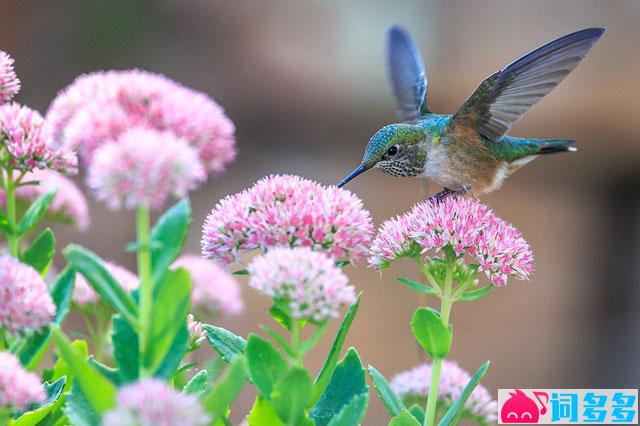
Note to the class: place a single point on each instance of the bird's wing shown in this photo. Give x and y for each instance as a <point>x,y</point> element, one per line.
<point>505,96</point>
<point>406,75</point>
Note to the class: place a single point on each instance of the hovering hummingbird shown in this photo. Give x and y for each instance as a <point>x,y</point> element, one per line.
<point>469,151</point>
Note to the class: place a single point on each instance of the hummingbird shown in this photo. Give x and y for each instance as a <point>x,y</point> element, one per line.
<point>469,151</point>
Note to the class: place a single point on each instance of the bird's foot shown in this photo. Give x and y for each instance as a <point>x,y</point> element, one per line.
<point>446,192</point>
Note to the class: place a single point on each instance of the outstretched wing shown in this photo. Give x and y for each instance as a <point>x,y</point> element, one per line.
<point>504,97</point>
<point>406,75</point>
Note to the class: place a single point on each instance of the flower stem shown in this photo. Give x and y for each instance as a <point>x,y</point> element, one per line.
<point>446,301</point>
<point>295,343</point>
<point>13,239</point>
<point>146,285</point>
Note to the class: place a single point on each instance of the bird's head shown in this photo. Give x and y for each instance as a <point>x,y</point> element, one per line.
<point>396,150</point>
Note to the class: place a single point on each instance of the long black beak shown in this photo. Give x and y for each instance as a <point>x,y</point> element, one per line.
<point>361,169</point>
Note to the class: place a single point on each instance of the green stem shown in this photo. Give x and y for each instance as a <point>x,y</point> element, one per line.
<point>146,285</point>
<point>446,301</point>
<point>13,239</point>
<point>295,343</point>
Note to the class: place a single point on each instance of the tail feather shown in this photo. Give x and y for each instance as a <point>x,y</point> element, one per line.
<point>550,146</point>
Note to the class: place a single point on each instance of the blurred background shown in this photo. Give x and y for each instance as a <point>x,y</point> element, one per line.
<point>305,84</point>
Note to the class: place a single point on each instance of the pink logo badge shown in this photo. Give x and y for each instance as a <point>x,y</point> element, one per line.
<point>519,408</point>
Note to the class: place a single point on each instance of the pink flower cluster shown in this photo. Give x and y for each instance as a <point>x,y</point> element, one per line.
<point>9,82</point>
<point>69,203</point>
<point>309,282</point>
<point>25,302</point>
<point>143,167</point>
<point>214,289</point>
<point>151,402</point>
<point>285,210</point>
<point>21,133</point>
<point>84,294</point>
<point>19,388</point>
<point>98,107</point>
<point>415,383</point>
<point>462,223</point>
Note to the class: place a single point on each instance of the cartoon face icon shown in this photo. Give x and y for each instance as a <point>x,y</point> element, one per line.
<point>519,408</point>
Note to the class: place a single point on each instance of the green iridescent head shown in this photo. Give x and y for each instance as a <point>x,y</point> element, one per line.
<point>395,150</point>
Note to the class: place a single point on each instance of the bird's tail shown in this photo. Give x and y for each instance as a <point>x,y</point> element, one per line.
<point>549,146</point>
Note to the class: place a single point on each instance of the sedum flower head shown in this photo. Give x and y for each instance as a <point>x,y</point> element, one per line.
<point>25,302</point>
<point>463,224</point>
<point>285,210</point>
<point>84,294</point>
<point>151,402</point>
<point>69,203</point>
<point>214,289</point>
<point>19,388</point>
<point>413,387</point>
<point>21,135</point>
<point>9,82</point>
<point>197,334</point>
<point>100,106</point>
<point>308,282</point>
<point>143,168</point>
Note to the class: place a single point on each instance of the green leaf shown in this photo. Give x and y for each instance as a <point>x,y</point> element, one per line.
<point>334,353</point>
<point>352,413</point>
<point>36,414</point>
<point>280,315</point>
<point>100,393</point>
<point>346,383</point>
<point>263,414</point>
<point>265,365</point>
<point>171,362</point>
<point>278,339</point>
<point>125,349</point>
<point>452,416</point>
<point>40,252</point>
<point>92,267</point>
<point>79,409</point>
<point>36,344</point>
<point>227,344</point>
<point>198,383</point>
<point>241,272</point>
<point>417,412</point>
<point>110,373</point>
<point>225,390</point>
<point>431,333</point>
<point>388,396</point>
<point>417,286</point>
<point>168,236</point>
<point>35,212</point>
<point>5,225</point>
<point>476,294</point>
<point>405,418</point>
<point>171,305</point>
<point>291,394</point>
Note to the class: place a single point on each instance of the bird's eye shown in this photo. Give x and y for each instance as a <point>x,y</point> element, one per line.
<point>392,151</point>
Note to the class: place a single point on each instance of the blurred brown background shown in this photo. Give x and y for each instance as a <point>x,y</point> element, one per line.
<point>305,84</point>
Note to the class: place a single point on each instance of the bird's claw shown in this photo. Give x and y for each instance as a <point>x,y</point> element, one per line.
<point>446,192</point>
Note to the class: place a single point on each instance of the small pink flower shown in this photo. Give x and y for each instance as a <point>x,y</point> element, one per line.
<point>196,333</point>
<point>214,289</point>
<point>309,282</point>
<point>21,134</point>
<point>100,106</point>
<point>9,82</point>
<point>69,203</point>
<point>84,294</point>
<point>462,223</point>
<point>19,388</point>
<point>285,210</point>
<point>415,383</point>
<point>151,402</point>
<point>143,168</point>
<point>25,303</point>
